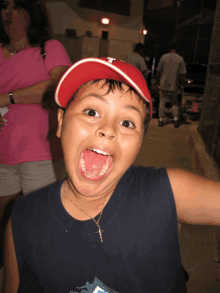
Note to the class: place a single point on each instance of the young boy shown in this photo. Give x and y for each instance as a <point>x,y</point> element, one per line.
<point>110,226</point>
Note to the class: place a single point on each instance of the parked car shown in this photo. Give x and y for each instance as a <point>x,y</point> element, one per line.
<point>195,78</point>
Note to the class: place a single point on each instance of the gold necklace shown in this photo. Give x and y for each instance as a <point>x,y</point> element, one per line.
<point>14,52</point>
<point>96,222</point>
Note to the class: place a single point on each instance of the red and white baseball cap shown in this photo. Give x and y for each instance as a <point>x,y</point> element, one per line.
<point>89,69</point>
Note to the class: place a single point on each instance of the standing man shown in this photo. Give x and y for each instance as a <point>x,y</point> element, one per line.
<point>171,71</point>
<point>136,59</point>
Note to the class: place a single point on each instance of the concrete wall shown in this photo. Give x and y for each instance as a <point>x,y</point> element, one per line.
<point>123,31</point>
<point>83,47</point>
<point>63,17</point>
<point>120,49</point>
<point>80,47</point>
<point>118,22</point>
<point>115,48</point>
<point>68,15</point>
<point>209,127</point>
<point>72,46</point>
<point>206,166</point>
<point>90,47</point>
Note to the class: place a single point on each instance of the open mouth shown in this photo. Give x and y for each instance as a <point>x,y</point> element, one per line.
<point>95,164</point>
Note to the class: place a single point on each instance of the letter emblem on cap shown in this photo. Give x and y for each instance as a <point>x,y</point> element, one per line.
<point>110,59</point>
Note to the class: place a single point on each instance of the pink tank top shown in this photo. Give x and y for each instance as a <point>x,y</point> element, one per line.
<point>27,134</point>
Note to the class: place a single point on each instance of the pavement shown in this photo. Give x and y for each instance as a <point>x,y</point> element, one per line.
<point>183,148</point>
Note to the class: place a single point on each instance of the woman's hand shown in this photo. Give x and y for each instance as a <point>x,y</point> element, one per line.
<point>3,123</point>
<point>4,100</point>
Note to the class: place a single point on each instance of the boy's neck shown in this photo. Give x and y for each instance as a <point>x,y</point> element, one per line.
<point>82,208</point>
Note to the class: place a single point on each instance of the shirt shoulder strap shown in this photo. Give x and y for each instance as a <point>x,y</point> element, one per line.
<point>42,50</point>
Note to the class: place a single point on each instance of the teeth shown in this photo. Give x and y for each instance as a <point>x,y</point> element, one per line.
<point>93,174</point>
<point>104,169</point>
<point>99,152</point>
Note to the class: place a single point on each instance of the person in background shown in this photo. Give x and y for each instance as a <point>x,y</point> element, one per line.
<point>171,71</point>
<point>137,59</point>
<point>31,64</point>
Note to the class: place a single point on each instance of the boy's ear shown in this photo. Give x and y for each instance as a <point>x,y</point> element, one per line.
<point>60,115</point>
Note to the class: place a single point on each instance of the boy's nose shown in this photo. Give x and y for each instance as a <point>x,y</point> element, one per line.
<point>107,131</point>
<point>111,137</point>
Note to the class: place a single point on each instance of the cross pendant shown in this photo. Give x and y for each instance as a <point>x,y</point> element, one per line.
<point>100,234</point>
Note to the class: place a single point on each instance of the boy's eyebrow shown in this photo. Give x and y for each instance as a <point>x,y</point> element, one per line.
<point>131,107</point>
<point>96,96</point>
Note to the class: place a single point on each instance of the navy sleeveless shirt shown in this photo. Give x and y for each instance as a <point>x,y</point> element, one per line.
<point>140,252</point>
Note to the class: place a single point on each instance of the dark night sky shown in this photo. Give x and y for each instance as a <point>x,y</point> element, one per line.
<point>161,23</point>
<point>195,5</point>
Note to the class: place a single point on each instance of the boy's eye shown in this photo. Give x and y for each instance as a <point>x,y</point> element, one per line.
<point>127,123</point>
<point>91,112</point>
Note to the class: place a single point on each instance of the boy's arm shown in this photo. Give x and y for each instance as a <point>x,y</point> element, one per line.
<point>197,198</point>
<point>11,273</point>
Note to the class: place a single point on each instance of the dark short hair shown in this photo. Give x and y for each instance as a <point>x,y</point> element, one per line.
<point>39,30</point>
<point>112,85</point>
<point>138,47</point>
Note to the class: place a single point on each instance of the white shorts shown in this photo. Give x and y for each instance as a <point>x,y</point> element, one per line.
<point>30,176</point>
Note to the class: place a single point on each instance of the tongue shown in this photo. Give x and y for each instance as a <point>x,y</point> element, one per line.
<point>94,161</point>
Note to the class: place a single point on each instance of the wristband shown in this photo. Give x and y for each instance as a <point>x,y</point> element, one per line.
<point>11,97</point>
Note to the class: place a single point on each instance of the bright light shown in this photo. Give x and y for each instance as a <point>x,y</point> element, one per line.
<point>189,81</point>
<point>105,21</point>
<point>144,32</point>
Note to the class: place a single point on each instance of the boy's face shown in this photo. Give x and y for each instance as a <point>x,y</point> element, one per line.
<point>98,122</point>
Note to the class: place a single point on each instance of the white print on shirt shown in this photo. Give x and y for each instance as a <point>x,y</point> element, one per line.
<point>97,290</point>
<point>96,287</point>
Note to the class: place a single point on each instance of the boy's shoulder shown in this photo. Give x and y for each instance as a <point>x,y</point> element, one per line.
<point>150,170</point>
<point>141,175</point>
<point>37,198</point>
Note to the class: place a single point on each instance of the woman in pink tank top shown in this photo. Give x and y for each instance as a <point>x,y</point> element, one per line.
<point>31,63</point>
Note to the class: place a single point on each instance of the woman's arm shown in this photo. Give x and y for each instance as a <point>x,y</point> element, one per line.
<point>34,94</point>
<point>11,273</point>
